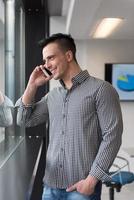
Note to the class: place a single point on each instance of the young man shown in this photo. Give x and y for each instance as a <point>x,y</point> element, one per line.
<point>85,123</point>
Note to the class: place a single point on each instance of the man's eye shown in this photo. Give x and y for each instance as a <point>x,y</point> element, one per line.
<point>51,58</point>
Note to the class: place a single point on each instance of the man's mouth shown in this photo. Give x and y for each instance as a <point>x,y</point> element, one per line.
<point>53,71</point>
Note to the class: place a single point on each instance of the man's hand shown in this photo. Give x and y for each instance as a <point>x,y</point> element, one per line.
<point>36,79</point>
<point>85,186</point>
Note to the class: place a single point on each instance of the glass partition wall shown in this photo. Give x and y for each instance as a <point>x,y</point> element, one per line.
<point>12,73</point>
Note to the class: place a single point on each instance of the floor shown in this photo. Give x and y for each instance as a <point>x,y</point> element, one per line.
<point>127,193</point>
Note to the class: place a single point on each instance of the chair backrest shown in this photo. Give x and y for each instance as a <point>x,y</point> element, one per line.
<point>120,171</point>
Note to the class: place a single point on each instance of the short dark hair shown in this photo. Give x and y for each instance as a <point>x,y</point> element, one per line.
<point>65,41</point>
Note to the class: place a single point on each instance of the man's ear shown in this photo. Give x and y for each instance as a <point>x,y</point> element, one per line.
<point>69,55</point>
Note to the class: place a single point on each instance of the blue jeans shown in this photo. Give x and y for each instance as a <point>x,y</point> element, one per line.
<point>61,194</point>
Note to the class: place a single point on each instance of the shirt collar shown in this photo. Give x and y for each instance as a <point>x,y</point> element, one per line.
<point>78,79</point>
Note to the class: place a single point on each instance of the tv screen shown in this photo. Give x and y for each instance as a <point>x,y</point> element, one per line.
<point>121,76</point>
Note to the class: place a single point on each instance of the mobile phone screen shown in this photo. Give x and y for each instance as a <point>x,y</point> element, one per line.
<point>46,72</point>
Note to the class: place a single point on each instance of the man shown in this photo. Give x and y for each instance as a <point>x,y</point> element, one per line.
<point>85,123</point>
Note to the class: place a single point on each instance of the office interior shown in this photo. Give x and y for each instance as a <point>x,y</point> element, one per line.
<point>22,24</point>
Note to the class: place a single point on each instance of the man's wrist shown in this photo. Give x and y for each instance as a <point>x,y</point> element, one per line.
<point>92,180</point>
<point>29,94</point>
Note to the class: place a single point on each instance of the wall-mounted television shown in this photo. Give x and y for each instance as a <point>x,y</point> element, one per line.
<point>121,76</point>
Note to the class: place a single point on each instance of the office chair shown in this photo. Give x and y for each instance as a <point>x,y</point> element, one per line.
<point>119,176</point>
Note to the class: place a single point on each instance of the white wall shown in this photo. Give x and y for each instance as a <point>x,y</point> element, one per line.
<point>93,54</point>
<point>57,24</point>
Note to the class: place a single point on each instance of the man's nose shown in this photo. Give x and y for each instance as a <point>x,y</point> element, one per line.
<point>48,65</point>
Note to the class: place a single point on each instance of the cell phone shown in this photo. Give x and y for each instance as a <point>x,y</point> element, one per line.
<point>46,72</point>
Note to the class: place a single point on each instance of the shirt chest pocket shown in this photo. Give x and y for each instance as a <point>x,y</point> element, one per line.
<point>84,106</point>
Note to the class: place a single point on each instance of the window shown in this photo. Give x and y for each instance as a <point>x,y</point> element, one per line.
<point>12,73</point>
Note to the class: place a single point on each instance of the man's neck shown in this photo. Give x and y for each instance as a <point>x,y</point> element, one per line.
<point>74,70</point>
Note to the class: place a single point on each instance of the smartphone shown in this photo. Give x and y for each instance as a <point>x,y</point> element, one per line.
<point>46,72</point>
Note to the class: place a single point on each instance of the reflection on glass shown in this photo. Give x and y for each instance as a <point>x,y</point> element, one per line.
<point>6,105</point>
<point>12,80</point>
<point>6,120</point>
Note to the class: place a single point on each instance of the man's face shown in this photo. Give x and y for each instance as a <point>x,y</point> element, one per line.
<point>55,60</point>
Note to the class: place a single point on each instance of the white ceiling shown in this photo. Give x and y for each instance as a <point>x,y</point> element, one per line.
<point>83,15</point>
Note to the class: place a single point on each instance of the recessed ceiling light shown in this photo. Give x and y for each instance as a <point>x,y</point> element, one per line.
<point>106,27</point>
